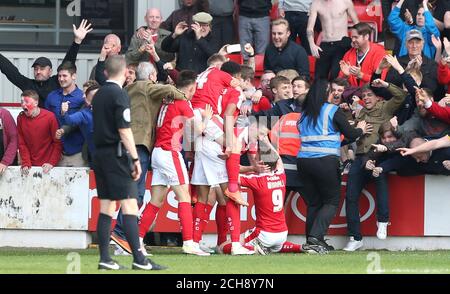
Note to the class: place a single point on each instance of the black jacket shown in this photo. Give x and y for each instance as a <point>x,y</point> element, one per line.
<point>428,69</point>
<point>255,8</point>
<point>292,56</point>
<point>407,166</point>
<point>194,53</point>
<point>42,88</point>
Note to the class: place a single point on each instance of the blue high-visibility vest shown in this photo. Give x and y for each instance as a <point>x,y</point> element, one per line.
<point>321,139</point>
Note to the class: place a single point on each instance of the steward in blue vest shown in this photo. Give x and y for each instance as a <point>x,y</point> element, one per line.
<point>320,127</point>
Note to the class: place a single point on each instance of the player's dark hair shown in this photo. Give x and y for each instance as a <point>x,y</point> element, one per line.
<point>186,78</point>
<point>232,68</point>
<point>267,155</point>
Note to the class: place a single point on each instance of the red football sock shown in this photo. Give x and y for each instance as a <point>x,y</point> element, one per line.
<point>185,216</point>
<point>147,219</point>
<point>205,217</point>
<point>199,211</point>
<point>289,247</point>
<point>221,221</point>
<point>252,236</point>
<point>233,172</point>
<point>234,220</point>
<point>249,247</point>
<point>227,249</point>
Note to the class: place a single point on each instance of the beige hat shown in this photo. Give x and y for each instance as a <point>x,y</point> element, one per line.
<point>202,17</point>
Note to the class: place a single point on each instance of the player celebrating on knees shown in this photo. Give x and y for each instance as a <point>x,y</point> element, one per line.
<point>167,162</point>
<point>270,233</point>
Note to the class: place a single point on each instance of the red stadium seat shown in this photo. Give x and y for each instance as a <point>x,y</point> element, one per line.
<point>312,66</point>
<point>236,57</point>
<point>274,12</point>
<point>259,65</point>
<point>370,12</point>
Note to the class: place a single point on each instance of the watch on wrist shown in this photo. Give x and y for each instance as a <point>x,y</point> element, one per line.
<point>135,159</point>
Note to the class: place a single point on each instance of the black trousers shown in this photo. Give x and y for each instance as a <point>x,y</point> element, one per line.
<point>298,21</point>
<point>321,178</point>
<point>223,31</point>
<point>327,66</point>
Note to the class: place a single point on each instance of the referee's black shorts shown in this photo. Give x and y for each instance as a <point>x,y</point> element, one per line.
<point>113,174</point>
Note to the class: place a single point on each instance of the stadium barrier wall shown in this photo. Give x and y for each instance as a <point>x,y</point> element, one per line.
<point>45,210</point>
<point>58,209</point>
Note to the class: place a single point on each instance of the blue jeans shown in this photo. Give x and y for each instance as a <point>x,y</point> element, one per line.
<point>358,177</point>
<point>144,160</point>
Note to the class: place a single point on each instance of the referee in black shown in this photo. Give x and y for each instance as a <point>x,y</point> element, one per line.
<point>116,165</point>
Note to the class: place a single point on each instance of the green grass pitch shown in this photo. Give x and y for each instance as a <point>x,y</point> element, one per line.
<point>43,261</point>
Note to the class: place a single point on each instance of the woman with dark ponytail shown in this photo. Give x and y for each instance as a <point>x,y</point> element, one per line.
<point>321,126</point>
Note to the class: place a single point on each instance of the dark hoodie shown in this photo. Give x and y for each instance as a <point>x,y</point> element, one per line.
<point>42,88</point>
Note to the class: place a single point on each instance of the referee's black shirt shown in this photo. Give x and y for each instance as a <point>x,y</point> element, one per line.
<point>111,111</point>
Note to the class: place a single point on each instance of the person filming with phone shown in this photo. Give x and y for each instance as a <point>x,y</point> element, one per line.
<point>193,44</point>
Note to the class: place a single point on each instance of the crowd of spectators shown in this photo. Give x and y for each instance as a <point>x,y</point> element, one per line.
<point>399,93</point>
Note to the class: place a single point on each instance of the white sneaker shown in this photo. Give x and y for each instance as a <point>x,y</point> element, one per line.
<point>193,249</point>
<point>259,248</point>
<point>118,251</point>
<point>144,251</point>
<point>382,230</point>
<point>353,245</point>
<point>205,248</point>
<point>241,250</point>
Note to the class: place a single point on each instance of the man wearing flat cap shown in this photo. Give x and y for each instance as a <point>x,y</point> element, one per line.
<point>43,82</point>
<point>193,44</point>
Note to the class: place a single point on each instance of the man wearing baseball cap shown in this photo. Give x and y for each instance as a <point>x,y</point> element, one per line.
<point>43,82</point>
<point>424,26</point>
<point>415,57</point>
<point>194,43</point>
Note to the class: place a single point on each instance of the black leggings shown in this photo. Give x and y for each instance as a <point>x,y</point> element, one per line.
<point>321,178</point>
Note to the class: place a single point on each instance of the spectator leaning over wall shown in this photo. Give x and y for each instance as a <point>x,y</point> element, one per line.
<point>36,128</point>
<point>8,140</point>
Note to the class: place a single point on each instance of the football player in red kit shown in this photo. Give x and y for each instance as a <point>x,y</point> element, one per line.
<point>270,233</point>
<point>168,165</point>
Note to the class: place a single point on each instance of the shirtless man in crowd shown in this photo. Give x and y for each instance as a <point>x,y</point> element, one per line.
<point>333,15</point>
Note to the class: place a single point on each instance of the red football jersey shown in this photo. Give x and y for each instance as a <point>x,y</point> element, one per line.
<point>230,95</point>
<point>170,124</point>
<point>268,192</point>
<point>210,85</point>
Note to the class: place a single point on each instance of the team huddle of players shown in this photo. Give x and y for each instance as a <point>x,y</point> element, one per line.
<point>208,122</point>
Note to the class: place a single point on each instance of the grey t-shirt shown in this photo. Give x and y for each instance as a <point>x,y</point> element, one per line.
<point>294,5</point>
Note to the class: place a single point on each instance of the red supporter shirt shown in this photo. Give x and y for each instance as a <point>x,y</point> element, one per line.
<point>264,104</point>
<point>37,143</point>
<point>210,85</point>
<point>268,192</point>
<point>170,124</point>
